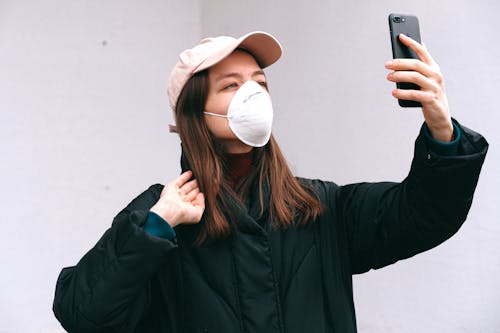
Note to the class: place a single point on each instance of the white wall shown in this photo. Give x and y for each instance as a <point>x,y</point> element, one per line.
<point>84,119</point>
<point>83,130</point>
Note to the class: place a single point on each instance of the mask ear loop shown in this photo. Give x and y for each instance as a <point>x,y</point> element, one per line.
<point>215,114</point>
<point>173,128</point>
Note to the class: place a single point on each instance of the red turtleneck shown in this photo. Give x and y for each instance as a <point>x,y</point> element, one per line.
<point>238,166</point>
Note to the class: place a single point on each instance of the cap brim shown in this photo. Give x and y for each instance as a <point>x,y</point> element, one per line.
<point>263,46</point>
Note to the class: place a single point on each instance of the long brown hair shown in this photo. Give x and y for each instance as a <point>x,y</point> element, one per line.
<point>290,202</point>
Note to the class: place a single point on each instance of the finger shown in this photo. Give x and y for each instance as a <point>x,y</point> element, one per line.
<point>183,178</point>
<point>191,196</point>
<point>418,48</point>
<point>414,77</point>
<point>424,97</point>
<point>410,65</point>
<point>417,66</point>
<point>189,186</point>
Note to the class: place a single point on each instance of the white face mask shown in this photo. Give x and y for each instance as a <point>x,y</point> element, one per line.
<point>250,114</point>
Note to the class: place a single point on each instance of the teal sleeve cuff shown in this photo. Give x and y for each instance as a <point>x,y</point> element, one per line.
<point>157,226</point>
<point>443,148</point>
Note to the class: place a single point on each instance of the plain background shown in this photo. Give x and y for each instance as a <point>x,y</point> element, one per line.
<point>84,119</point>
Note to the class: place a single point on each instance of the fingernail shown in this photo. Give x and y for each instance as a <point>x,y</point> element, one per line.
<point>388,64</point>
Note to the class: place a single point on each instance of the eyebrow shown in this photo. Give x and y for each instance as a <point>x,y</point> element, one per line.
<point>237,75</point>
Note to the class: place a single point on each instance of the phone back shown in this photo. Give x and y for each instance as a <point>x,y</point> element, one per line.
<point>407,25</point>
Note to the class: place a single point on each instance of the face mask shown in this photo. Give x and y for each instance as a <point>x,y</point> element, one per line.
<point>250,114</point>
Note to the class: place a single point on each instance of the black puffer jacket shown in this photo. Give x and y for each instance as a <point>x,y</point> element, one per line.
<point>266,280</point>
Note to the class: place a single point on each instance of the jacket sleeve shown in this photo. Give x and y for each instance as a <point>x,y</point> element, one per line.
<point>108,290</point>
<point>387,222</point>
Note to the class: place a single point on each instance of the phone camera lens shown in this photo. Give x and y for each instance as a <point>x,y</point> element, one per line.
<point>396,19</point>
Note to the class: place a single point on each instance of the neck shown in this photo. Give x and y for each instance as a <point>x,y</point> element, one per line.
<point>238,166</point>
<point>236,147</point>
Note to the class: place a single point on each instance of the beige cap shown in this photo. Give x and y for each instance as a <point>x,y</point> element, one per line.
<point>264,47</point>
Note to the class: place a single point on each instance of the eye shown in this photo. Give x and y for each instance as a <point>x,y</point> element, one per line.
<point>263,84</point>
<point>230,85</point>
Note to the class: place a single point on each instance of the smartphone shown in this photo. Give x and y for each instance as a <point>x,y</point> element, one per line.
<point>408,25</point>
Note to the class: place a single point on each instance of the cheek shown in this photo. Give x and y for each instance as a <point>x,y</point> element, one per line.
<point>219,127</point>
<point>218,103</point>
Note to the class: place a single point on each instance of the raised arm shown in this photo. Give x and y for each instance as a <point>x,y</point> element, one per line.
<point>386,222</point>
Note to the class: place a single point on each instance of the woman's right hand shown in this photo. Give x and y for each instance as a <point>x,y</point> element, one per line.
<point>181,201</point>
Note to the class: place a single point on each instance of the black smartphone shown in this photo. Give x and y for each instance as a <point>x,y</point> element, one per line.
<point>408,25</point>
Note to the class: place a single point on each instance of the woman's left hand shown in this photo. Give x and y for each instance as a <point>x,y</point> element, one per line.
<point>425,73</point>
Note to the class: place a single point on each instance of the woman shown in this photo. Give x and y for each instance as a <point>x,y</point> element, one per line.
<point>236,243</point>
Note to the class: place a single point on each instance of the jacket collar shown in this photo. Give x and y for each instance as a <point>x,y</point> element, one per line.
<point>248,217</point>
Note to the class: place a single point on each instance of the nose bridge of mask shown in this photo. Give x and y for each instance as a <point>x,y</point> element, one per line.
<point>248,98</point>
<point>246,93</point>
